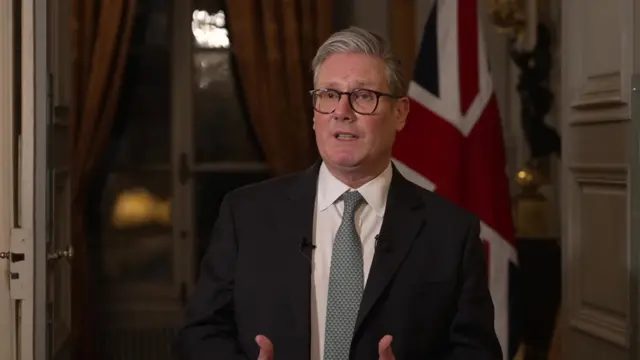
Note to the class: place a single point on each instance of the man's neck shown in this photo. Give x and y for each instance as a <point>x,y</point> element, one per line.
<point>355,178</point>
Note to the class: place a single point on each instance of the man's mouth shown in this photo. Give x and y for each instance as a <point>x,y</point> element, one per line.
<point>345,136</point>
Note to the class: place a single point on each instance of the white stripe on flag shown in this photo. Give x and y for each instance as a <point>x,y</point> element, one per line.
<point>414,176</point>
<point>448,60</point>
<point>501,253</point>
<point>425,98</point>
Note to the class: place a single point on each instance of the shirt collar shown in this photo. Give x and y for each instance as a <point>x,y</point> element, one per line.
<point>374,192</point>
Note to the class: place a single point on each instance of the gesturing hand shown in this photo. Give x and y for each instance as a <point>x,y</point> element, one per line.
<point>266,348</point>
<point>384,348</point>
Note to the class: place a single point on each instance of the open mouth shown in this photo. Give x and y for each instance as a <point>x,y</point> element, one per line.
<point>345,136</point>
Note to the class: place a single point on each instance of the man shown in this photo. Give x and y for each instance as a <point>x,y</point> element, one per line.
<point>347,260</point>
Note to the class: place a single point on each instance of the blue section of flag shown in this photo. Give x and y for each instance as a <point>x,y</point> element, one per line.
<point>427,74</point>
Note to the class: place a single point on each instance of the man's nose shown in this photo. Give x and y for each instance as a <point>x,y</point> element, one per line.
<point>343,109</point>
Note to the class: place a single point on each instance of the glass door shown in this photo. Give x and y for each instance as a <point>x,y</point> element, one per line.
<point>59,251</point>
<point>223,153</point>
<point>134,201</point>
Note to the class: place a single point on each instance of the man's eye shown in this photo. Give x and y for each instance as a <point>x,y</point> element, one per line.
<point>365,96</point>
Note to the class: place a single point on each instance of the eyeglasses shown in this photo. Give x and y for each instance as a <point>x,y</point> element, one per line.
<point>362,101</point>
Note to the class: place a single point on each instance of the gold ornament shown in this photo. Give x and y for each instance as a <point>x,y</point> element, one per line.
<point>531,208</point>
<point>510,17</point>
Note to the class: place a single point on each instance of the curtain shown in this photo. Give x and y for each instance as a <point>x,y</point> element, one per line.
<point>273,42</point>
<point>101,31</point>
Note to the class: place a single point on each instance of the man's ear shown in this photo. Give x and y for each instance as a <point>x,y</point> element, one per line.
<point>402,111</point>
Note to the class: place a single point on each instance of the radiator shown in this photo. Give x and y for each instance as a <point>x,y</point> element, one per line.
<point>136,344</point>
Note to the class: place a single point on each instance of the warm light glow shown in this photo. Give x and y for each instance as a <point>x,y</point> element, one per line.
<point>138,207</point>
<point>209,30</point>
<point>524,177</point>
<point>529,176</point>
<point>163,212</point>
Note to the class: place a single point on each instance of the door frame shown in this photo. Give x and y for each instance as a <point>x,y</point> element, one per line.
<point>634,213</point>
<point>25,215</point>
<point>40,118</point>
<point>7,113</point>
<point>23,328</point>
<point>32,177</point>
<point>29,219</point>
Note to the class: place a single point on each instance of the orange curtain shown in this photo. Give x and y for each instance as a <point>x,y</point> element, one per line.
<point>101,31</point>
<point>273,42</point>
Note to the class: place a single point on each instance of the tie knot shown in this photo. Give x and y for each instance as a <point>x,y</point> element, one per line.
<point>351,201</point>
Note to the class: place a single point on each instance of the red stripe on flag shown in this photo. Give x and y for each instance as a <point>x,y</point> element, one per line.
<point>486,188</point>
<point>468,52</point>
<point>432,147</point>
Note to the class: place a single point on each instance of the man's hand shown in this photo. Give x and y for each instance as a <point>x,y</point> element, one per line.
<point>266,348</point>
<point>384,348</point>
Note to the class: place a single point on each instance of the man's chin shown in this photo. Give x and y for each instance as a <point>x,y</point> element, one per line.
<point>348,165</point>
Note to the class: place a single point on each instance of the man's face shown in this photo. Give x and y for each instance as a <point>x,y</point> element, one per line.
<point>350,141</point>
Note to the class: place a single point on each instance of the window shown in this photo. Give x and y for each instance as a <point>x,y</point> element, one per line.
<point>226,153</point>
<point>182,139</point>
<point>136,230</point>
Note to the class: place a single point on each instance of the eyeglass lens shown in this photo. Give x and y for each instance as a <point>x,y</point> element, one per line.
<point>361,100</point>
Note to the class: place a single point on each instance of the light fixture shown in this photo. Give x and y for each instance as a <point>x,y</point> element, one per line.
<point>209,30</point>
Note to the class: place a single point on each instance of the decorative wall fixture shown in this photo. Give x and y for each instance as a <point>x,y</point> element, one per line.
<point>530,48</point>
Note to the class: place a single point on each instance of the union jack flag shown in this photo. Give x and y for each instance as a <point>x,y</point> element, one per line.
<point>452,143</point>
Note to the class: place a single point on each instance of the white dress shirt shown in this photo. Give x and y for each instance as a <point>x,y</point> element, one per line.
<point>328,216</point>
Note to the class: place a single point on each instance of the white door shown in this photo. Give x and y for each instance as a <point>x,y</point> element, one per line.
<point>599,251</point>
<point>7,314</point>
<point>20,335</point>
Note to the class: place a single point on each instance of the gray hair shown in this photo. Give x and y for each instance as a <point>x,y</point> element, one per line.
<point>358,40</point>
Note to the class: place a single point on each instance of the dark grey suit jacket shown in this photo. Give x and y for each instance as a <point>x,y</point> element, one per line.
<point>427,284</point>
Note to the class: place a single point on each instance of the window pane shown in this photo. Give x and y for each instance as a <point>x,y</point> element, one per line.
<point>222,132</point>
<point>137,242</point>
<point>134,190</point>
<point>142,131</point>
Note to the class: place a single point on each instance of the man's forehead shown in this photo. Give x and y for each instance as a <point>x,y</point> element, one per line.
<point>354,83</point>
<point>337,73</point>
<point>354,78</point>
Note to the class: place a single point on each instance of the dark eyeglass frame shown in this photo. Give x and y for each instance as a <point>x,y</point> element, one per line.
<point>378,95</point>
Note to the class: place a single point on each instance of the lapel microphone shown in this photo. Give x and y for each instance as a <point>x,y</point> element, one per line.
<point>305,243</point>
<point>306,247</point>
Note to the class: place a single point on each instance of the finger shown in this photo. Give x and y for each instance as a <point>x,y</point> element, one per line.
<point>266,348</point>
<point>384,348</point>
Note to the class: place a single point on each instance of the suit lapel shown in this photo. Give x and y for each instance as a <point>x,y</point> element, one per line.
<point>296,228</point>
<point>402,222</point>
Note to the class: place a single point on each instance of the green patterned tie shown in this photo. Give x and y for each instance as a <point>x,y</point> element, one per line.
<point>346,283</point>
